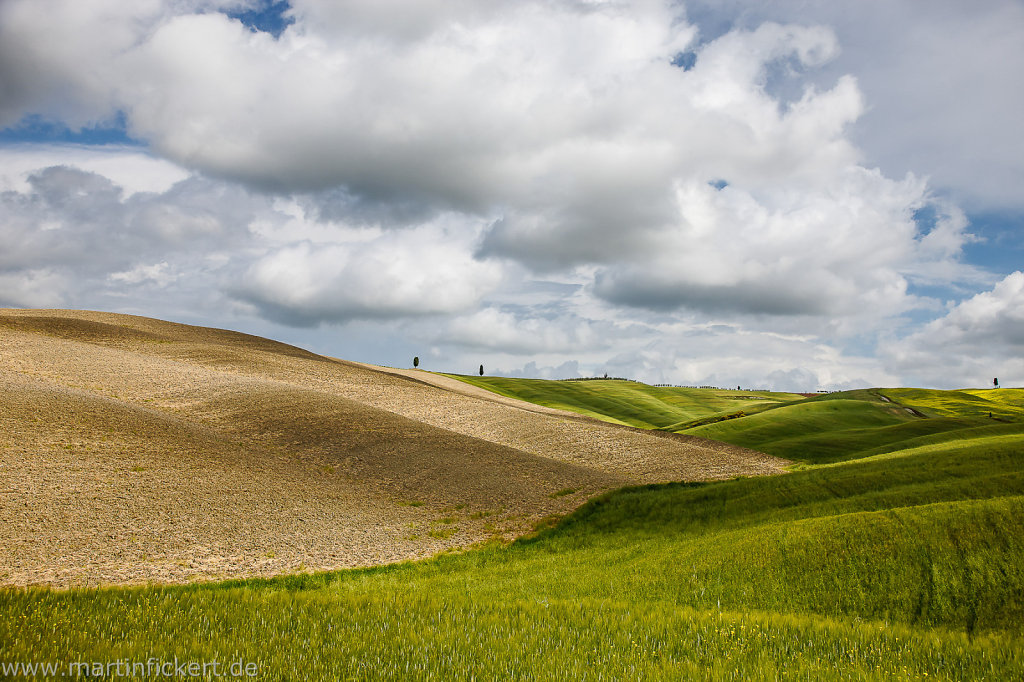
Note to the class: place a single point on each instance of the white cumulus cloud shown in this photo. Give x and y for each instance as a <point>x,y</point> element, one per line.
<point>979,339</point>
<point>422,272</point>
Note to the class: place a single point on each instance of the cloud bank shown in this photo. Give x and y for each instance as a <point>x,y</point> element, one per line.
<point>600,183</point>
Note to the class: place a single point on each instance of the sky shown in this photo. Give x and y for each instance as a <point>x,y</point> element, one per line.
<point>789,195</point>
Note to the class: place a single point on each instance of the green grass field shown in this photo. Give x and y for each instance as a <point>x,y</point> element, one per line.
<point>853,424</point>
<point>629,402</point>
<point>897,555</point>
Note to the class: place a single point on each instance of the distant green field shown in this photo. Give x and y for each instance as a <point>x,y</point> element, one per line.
<point>629,402</point>
<point>854,424</point>
<point>817,430</point>
<point>897,552</point>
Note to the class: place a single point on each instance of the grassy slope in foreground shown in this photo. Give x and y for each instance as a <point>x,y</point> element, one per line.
<point>901,565</point>
<point>628,402</point>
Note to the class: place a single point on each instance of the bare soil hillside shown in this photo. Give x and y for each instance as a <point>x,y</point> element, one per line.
<point>136,450</point>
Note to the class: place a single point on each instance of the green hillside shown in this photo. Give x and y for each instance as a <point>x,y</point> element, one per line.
<point>822,429</point>
<point>853,424</point>
<point>629,402</point>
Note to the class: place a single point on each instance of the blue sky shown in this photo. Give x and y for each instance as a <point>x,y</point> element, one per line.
<point>269,17</point>
<point>33,129</point>
<point>789,195</point>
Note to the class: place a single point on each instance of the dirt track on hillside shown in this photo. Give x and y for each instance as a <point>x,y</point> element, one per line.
<point>135,450</point>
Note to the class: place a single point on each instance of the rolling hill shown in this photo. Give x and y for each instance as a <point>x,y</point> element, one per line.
<point>138,450</point>
<point>894,549</point>
<point>854,424</point>
<point>898,555</point>
<point>629,402</point>
<point>820,429</point>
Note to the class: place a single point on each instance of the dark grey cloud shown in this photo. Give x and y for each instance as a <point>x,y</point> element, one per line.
<point>342,205</point>
<point>60,221</point>
<point>77,230</point>
<point>647,290</point>
<point>596,220</point>
<point>83,227</point>
<point>81,220</point>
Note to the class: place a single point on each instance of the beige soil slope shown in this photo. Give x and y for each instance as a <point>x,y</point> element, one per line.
<point>136,450</point>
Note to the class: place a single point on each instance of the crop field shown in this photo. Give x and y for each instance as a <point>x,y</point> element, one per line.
<point>896,554</point>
